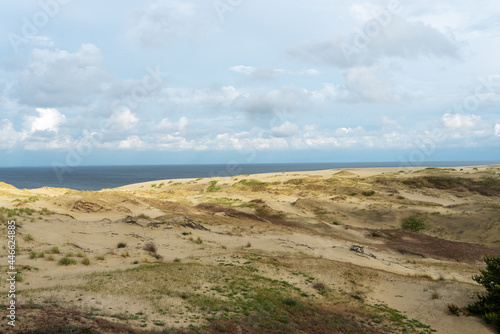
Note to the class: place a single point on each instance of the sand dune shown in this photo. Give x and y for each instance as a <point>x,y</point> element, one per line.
<point>167,253</point>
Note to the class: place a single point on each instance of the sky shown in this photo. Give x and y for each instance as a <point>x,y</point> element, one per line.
<point>239,81</point>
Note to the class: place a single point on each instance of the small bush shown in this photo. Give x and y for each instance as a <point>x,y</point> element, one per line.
<point>289,301</point>
<point>413,223</point>
<point>213,187</point>
<point>33,255</point>
<point>435,295</point>
<point>28,237</point>
<point>125,254</point>
<point>368,193</point>
<point>198,241</point>
<point>66,261</point>
<point>454,309</point>
<point>142,215</point>
<point>488,305</point>
<point>319,286</point>
<point>248,245</point>
<point>80,254</point>
<point>150,247</point>
<point>86,261</point>
<point>55,250</point>
<point>121,245</point>
<point>50,258</point>
<point>177,260</point>
<point>100,257</point>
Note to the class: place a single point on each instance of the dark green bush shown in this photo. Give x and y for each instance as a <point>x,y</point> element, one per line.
<point>413,223</point>
<point>488,305</point>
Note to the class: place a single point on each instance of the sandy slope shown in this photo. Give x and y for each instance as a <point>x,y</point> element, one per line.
<point>309,219</point>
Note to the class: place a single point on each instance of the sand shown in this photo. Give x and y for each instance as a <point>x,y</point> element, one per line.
<point>309,220</point>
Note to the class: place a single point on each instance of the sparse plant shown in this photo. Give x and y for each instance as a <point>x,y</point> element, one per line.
<point>121,245</point>
<point>80,254</point>
<point>142,215</point>
<point>33,255</point>
<point>86,261</point>
<point>319,286</point>
<point>413,223</point>
<point>50,258</point>
<point>177,260</point>
<point>248,245</point>
<point>125,254</point>
<point>150,247</point>
<point>70,254</point>
<point>55,250</point>
<point>28,238</point>
<point>100,257</point>
<point>368,193</point>
<point>435,295</point>
<point>199,241</point>
<point>66,261</point>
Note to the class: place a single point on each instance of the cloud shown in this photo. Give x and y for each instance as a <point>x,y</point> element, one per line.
<point>59,78</point>
<point>400,38</point>
<point>123,120</point>
<point>269,74</point>
<point>364,84</point>
<point>163,21</point>
<point>286,129</point>
<point>497,130</point>
<point>459,121</point>
<point>173,127</point>
<point>49,120</point>
<point>288,98</point>
<point>132,142</point>
<point>8,135</point>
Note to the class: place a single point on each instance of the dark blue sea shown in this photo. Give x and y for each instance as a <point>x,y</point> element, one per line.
<point>100,177</point>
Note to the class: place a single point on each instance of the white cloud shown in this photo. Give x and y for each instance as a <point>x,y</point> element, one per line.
<point>459,121</point>
<point>366,84</point>
<point>123,120</point>
<point>164,21</point>
<point>49,120</point>
<point>175,127</point>
<point>286,129</point>
<point>132,142</point>
<point>55,78</point>
<point>8,135</point>
<point>497,130</point>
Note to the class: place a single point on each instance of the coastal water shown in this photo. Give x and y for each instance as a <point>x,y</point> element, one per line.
<point>100,177</point>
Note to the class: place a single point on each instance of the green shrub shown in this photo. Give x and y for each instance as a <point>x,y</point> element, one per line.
<point>86,261</point>
<point>368,193</point>
<point>150,247</point>
<point>413,223</point>
<point>488,305</point>
<point>121,245</point>
<point>213,187</point>
<point>66,261</point>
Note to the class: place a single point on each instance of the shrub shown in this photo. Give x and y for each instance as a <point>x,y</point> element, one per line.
<point>454,309</point>
<point>249,245</point>
<point>121,245</point>
<point>28,237</point>
<point>142,215</point>
<point>213,187</point>
<point>55,250</point>
<point>319,286</point>
<point>177,260</point>
<point>150,247</point>
<point>198,241</point>
<point>488,305</point>
<point>368,193</point>
<point>413,223</point>
<point>33,255</point>
<point>100,257</point>
<point>66,261</point>
<point>86,261</point>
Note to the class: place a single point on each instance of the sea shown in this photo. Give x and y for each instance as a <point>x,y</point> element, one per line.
<point>101,177</point>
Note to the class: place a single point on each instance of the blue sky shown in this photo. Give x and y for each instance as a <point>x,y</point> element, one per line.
<point>217,81</point>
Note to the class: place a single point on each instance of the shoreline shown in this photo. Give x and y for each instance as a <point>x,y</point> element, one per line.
<point>359,171</point>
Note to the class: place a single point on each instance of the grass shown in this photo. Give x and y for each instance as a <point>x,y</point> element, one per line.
<point>54,250</point>
<point>28,238</point>
<point>86,261</point>
<point>142,215</point>
<point>66,261</point>
<point>213,187</point>
<point>414,223</point>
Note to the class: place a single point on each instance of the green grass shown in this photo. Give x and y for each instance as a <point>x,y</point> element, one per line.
<point>415,223</point>
<point>213,187</point>
<point>66,261</point>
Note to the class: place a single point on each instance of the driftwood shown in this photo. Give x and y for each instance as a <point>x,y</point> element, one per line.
<point>360,250</point>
